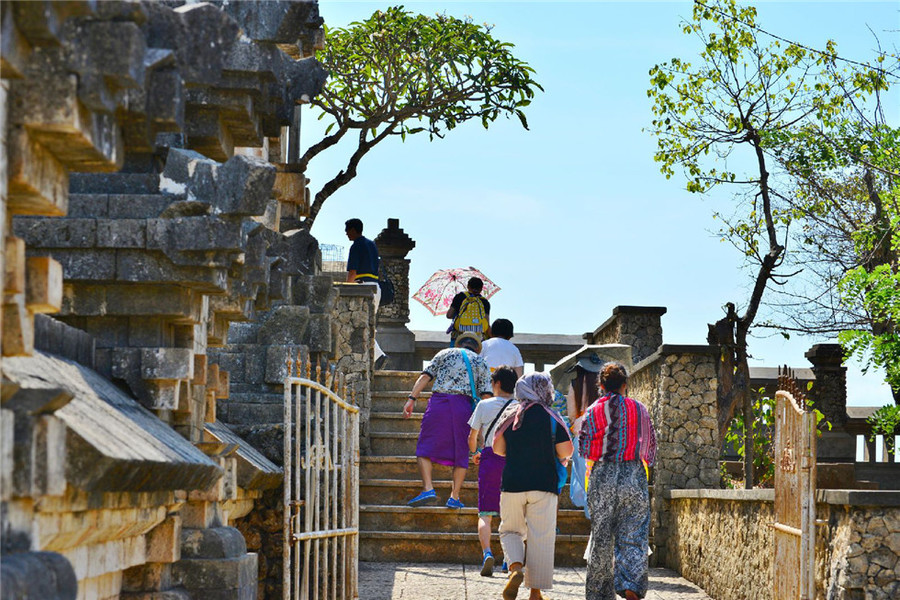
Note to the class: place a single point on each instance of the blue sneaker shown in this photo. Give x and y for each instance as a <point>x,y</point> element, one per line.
<point>454,503</point>
<point>504,568</point>
<point>487,566</point>
<point>428,497</point>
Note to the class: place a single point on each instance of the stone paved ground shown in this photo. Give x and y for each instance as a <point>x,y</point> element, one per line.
<point>396,581</point>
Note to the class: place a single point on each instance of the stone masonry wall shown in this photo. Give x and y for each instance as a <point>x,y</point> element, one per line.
<point>635,326</point>
<point>354,346</point>
<point>724,546</point>
<point>858,552</point>
<point>678,386</point>
<point>721,540</point>
<point>141,186</point>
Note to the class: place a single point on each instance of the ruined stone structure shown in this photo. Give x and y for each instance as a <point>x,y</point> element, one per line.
<point>147,194</point>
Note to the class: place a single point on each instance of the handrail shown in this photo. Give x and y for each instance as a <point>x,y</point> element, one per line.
<point>321,388</point>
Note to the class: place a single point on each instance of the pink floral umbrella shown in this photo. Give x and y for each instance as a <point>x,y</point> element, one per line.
<point>438,292</point>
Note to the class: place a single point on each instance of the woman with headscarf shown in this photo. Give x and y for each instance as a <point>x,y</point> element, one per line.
<point>532,437</point>
<point>618,442</point>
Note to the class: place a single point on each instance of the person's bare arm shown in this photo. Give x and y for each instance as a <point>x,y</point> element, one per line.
<point>499,445</point>
<point>473,440</point>
<point>351,276</point>
<point>564,450</point>
<point>418,386</point>
<point>519,371</point>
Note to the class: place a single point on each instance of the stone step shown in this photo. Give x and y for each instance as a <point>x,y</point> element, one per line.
<point>404,467</point>
<point>393,443</point>
<point>397,492</point>
<point>442,519</point>
<point>394,380</point>
<point>392,402</point>
<point>429,547</point>
<point>387,422</point>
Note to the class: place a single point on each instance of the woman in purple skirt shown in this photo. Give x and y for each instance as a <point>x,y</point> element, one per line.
<point>457,373</point>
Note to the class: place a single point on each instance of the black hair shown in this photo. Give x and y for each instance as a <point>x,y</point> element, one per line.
<point>507,378</point>
<point>586,386</point>
<point>475,284</point>
<point>502,328</point>
<point>613,376</point>
<point>354,224</point>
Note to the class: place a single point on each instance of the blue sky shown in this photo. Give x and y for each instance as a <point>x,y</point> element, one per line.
<point>573,217</point>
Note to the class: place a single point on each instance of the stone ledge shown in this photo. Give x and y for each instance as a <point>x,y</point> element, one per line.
<point>354,289</point>
<point>859,497</point>
<point>254,470</point>
<point>732,495</point>
<point>832,497</point>
<point>113,443</point>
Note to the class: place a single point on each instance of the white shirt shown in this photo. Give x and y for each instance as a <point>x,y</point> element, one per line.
<point>498,352</point>
<point>485,413</point>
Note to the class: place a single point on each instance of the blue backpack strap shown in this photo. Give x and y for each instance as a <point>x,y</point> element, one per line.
<point>471,377</point>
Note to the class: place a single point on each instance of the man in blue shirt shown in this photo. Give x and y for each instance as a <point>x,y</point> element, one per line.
<point>362,264</point>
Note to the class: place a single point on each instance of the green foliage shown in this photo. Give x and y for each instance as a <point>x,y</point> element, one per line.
<point>872,283</point>
<point>762,432</point>
<point>398,73</point>
<point>745,93</point>
<point>886,421</point>
<point>739,88</point>
<point>421,73</point>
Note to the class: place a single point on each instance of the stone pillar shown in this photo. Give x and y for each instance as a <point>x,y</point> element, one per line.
<point>354,348</point>
<point>677,384</point>
<point>397,341</point>
<point>637,326</point>
<point>829,395</point>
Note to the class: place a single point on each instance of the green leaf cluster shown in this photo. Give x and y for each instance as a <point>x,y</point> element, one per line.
<point>886,422</point>
<point>762,431</point>
<point>398,73</point>
<point>416,73</point>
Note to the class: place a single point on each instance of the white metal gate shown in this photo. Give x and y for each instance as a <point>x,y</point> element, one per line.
<point>795,489</point>
<point>321,487</point>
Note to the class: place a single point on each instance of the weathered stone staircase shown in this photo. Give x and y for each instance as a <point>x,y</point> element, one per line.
<point>392,532</point>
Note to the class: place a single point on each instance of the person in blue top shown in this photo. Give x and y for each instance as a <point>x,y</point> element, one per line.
<point>362,264</point>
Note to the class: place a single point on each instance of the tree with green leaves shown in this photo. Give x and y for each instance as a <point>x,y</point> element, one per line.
<point>720,120</point>
<point>399,74</point>
<point>847,206</point>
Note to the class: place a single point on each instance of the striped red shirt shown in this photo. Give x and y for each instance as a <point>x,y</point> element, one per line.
<point>616,428</point>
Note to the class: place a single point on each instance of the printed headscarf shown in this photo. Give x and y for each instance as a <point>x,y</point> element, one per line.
<point>534,389</point>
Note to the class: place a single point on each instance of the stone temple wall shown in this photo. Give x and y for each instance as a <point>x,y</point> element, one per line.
<point>678,386</point>
<point>145,200</point>
<point>354,340</point>
<point>722,540</point>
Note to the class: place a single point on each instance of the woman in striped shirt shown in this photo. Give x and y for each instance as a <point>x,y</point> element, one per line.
<point>618,442</point>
